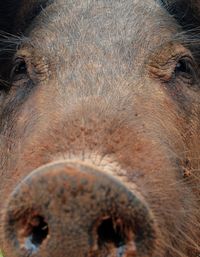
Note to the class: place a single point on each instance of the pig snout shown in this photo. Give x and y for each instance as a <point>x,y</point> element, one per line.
<point>71,209</point>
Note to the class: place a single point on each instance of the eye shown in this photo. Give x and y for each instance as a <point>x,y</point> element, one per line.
<point>19,70</point>
<point>185,69</point>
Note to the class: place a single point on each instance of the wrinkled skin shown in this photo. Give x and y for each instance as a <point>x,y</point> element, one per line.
<point>114,85</point>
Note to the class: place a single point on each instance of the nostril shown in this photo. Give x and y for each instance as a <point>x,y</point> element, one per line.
<point>115,235</point>
<point>110,231</point>
<point>39,230</point>
<point>32,232</point>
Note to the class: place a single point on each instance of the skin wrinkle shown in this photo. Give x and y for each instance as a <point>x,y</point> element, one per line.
<point>100,58</point>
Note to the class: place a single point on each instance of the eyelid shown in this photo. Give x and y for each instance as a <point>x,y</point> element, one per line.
<point>186,57</point>
<point>164,70</point>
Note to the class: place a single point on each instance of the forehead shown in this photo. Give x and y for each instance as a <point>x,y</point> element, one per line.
<point>104,23</point>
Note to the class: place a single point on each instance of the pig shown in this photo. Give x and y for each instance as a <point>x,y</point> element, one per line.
<point>99,128</point>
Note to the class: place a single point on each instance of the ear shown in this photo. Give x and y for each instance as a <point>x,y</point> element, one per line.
<point>16,15</point>
<point>186,12</point>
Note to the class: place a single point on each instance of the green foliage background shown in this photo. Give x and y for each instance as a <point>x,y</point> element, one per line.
<point>1,255</point>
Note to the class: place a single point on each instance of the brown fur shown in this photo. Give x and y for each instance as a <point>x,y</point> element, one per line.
<point>101,89</point>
